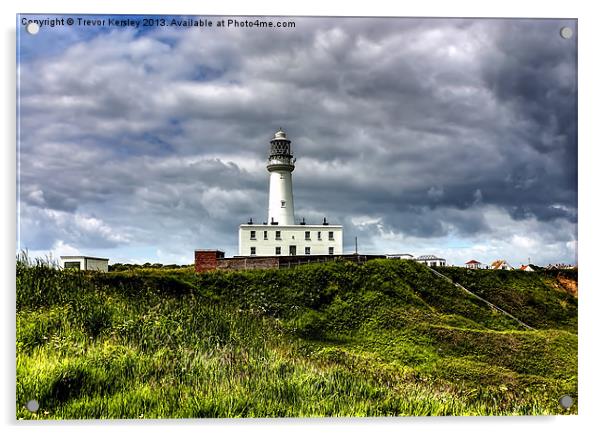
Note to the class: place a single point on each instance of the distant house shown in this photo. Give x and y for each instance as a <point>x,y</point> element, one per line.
<point>88,263</point>
<point>560,267</point>
<point>431,261</point>
<point>526,268</point>
<point>400,256</point>
<point>501,264</point>
<point>473,264</point>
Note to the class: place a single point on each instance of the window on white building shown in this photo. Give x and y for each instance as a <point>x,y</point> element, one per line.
<point>253,235</point>
<point>278,235</point>
<point>278,250</point>
<point>331,235</point>
<point>307,235</point>
<point>331,250</point>
<point>308,250</point>
<point>319,235</point>
<point>265,235</point>
<point>283,203</point>
<point>253,250</point>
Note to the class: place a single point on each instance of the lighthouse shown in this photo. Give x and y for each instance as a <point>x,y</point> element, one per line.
<point>279,235</point>
<point>281,208</point>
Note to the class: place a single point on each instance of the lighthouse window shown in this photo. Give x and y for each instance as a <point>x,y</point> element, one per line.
<point>278,235</point>
<point>283,203</point>
<point>331,235</point>
<point>307,235</point>
<point>278,250</point>
<point>253,235</point>
<point>253,250</point>
<point>308,250</point>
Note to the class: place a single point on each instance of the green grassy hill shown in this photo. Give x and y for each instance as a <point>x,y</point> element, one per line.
<point>386,338</point>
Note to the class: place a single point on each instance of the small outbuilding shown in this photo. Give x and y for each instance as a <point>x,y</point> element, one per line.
<point>526,268</point>
<point>85,263</point>
<point>473,264</point>
<point>431,261</point>
<point>400,256</point>
<point>501,264</point>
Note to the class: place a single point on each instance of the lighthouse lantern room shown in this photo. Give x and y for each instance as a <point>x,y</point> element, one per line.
<point>281,164</point>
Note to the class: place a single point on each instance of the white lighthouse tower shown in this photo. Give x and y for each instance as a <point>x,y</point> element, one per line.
<point>281,208</point>
<point>280,236</point>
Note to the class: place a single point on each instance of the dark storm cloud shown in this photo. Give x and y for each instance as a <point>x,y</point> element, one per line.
<point>417,128</point>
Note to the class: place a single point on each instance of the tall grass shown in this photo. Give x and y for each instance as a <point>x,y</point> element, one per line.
<point>381,339</point>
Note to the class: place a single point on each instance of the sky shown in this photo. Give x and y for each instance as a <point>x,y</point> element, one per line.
<point>453,137</point>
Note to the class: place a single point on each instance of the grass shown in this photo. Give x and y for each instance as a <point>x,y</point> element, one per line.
<point>537,297</point>
<point>387,338</point>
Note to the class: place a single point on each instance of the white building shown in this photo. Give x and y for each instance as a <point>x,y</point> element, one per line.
<point>88,263</point>
<point>431,261</point>
<point>400,256</point>
<point>501,264</point>
<point>280,236</point>
<point>526,268</point>
<point>473,264</point>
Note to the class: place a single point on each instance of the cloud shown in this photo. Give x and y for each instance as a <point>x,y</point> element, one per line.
<point>43,228</point>
<point>515,241</point>
<point>414,130</point>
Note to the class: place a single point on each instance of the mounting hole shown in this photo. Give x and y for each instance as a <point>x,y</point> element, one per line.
<point>32,405</point>
<point>32,28</point>
<point>566,402</point>
<point>566,32</point>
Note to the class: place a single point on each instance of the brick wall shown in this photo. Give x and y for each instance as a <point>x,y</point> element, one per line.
<point>247,263</point>
<point>205,260</point>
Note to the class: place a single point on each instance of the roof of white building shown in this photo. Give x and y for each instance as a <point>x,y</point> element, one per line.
<point>429,258</point>
<point>266,226</point>
<point>84,257</point>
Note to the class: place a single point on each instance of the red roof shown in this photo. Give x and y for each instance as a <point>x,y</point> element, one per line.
<point>473,262</point>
